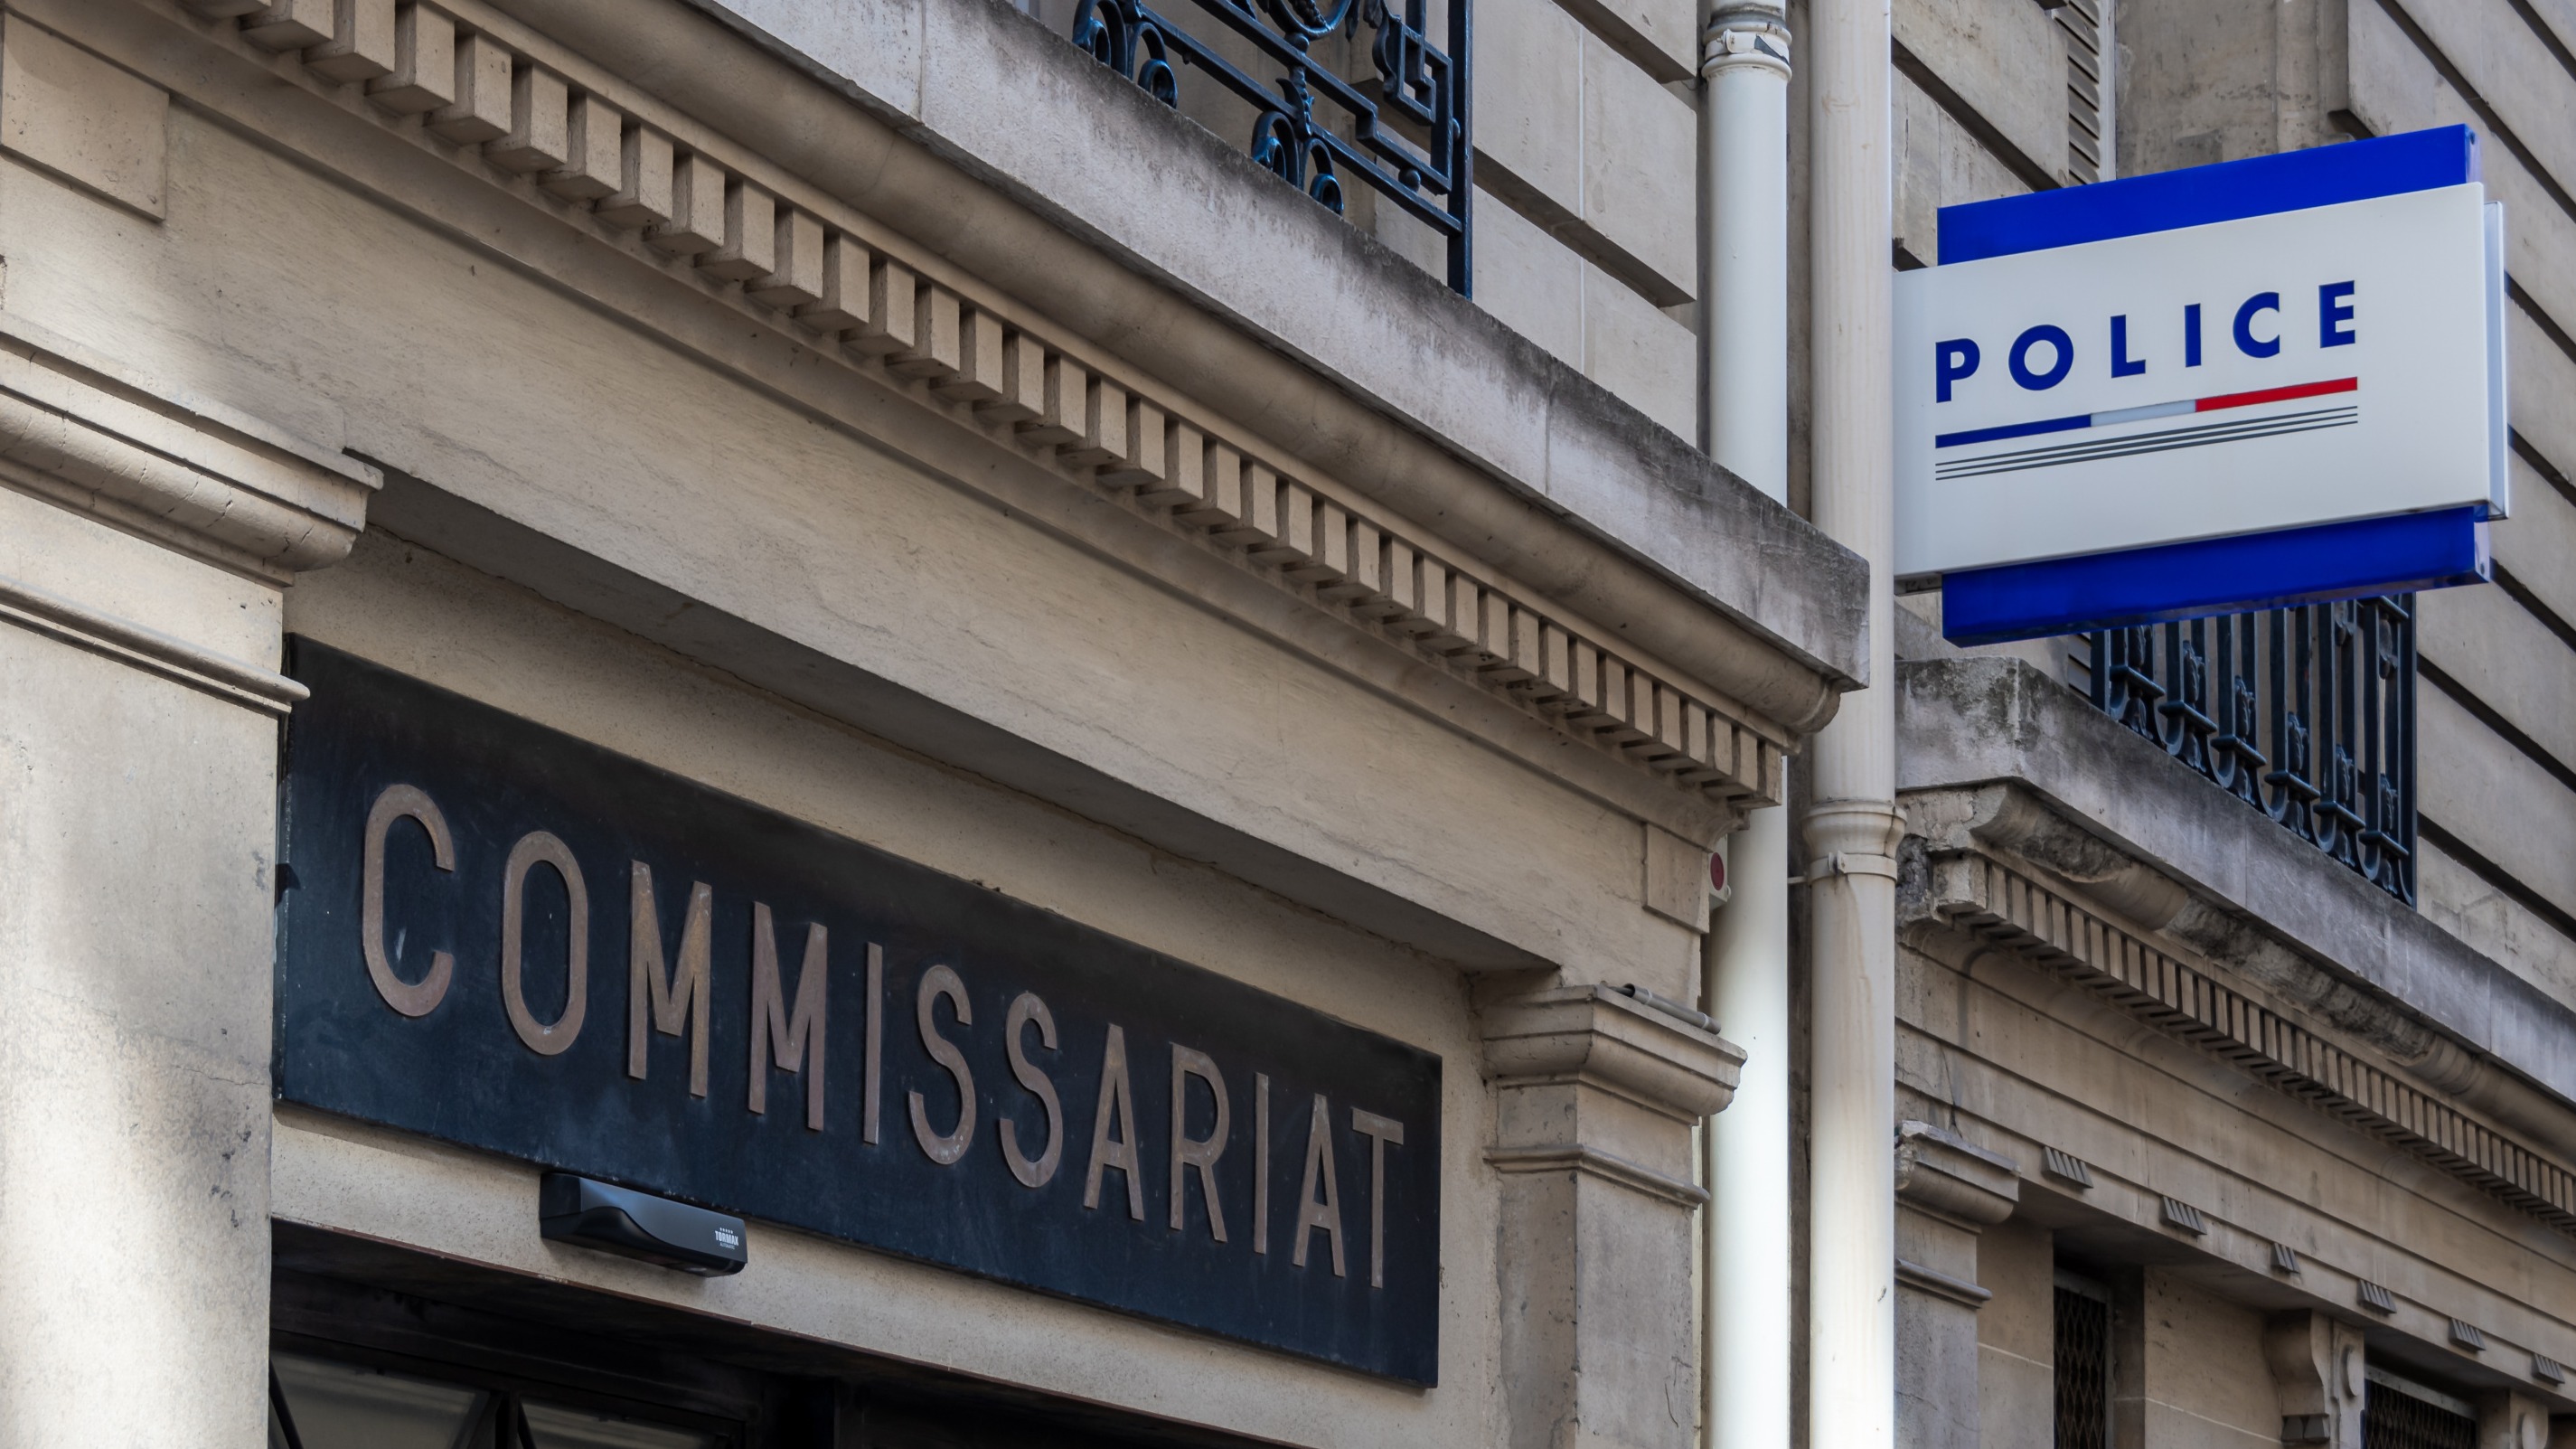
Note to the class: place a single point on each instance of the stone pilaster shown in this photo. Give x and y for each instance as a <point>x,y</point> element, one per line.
<point>2512,1421</point>
<point>1597,1094</point>
<point>1948,1191</point>
<point>144,540</point>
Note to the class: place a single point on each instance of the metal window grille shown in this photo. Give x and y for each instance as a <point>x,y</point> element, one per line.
<point>1398,124</point>
<point>2306,714</point>
<point>2083,1373</point>
<point>2396,1415</point>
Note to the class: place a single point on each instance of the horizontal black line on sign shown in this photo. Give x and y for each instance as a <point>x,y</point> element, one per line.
<point>2147,446</point>
<point>2055,452</point>
<point>2165,442</point>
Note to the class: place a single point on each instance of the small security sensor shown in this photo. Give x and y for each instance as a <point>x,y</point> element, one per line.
<point>634,1224</point>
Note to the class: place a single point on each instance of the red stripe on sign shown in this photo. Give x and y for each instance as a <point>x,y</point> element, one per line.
<point>2275,394</point>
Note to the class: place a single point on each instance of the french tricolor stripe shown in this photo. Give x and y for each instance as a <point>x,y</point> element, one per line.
<point>2220,403</point>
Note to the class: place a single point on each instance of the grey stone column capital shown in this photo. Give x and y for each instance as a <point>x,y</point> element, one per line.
<point>147,457</point>
<point>1608,1039</point>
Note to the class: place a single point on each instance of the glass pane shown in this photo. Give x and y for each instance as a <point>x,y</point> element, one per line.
<point>342,1406</point>
<point>561,1428</point>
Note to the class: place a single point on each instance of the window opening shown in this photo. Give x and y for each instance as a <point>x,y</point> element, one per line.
<point>2083,1373</point>
<point>2399,1413</point>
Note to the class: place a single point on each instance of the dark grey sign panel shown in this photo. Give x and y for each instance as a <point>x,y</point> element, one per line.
<point>499,935</point>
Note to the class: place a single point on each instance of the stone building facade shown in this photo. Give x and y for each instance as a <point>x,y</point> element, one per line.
<point>590,583</point>
<point>750,599</point>
<point>2215,1138</point>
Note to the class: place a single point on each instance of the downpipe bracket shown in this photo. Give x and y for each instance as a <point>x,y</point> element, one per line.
<point>1844,862</point>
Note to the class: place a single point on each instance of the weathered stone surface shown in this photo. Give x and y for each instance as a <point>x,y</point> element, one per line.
<point>2486,642</point>
<point>2197,1356</point>
<point>1938,164</point>
<point>1968,721</point>
<point>2495,798</point>
<point>2004,59</point>
<point>1637,139</point>
<point>139,851</point>
<point>2393,88</point>
<point>74,114</point>
<point>1637,351</point>
<point>1562,446</point>
<point>2494,923</point>
<point>2016,1337</point>
<point>1530,102</point>
<point>1530,280</point>
<point>2500,58</point>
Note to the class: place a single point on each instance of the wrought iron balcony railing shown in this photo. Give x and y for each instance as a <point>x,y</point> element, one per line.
<point>1398,125</point>
<point>2306,714</point>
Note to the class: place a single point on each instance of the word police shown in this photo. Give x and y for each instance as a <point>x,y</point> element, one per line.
<point>2044,355</point>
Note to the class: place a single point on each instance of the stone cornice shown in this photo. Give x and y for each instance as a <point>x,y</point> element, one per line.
<point>152,461</point>
<point>1961,883</point>
<point>1141,230</point>
<point>1994,749</point>
<point>755,238</point>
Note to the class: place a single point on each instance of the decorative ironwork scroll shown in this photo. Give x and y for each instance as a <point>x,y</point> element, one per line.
<point>2306,714</point>
<point>1416,86</point>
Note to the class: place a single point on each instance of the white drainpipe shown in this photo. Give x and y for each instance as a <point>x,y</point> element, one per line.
<point>1744,339</point>
<point>1852,827</point>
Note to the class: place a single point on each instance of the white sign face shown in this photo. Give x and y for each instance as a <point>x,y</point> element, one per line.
<point>2303,367</point>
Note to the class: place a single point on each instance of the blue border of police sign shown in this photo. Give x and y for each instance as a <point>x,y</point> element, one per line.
<point>2269,381</point>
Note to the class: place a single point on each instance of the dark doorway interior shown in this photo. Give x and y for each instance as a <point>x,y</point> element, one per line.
<point>379,1347</point>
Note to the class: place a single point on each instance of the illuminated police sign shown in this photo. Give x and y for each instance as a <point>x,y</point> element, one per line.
<point>2264,381</point>
<point>499,935</point>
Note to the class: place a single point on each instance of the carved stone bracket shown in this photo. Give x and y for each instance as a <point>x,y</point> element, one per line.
<point>2316,1364</point>
<point>2508,1420</point>
<point>1943,1173</point>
